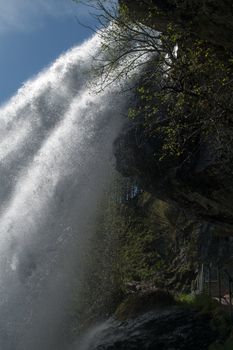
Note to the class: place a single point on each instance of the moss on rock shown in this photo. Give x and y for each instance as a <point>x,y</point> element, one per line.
<point>139,303</point>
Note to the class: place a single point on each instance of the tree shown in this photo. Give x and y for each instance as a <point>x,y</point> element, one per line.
<point>183,83</point>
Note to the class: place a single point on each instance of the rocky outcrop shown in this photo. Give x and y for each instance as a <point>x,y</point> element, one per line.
<point>167,330</point>
<point>201,186</point>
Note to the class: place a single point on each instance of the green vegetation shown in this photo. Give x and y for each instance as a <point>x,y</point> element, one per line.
<point>154,245</point>
<point>200,302</point>
<point>194,93</point>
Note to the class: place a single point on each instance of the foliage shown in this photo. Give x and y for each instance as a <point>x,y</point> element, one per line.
<point>140,260</point>
<point>154,250</point>
<point>201,302</point>
<point>191,101</point>
<point>183,84</point>
<point>127,44</point>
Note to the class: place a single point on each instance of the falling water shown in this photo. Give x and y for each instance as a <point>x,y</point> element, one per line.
<point>55,159</point>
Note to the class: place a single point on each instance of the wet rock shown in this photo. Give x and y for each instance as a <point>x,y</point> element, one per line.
<point>168,330</point>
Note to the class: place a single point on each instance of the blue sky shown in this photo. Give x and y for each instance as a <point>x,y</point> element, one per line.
<point>33,33</point>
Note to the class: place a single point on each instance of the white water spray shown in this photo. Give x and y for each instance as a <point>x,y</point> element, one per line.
<point>56,137</point>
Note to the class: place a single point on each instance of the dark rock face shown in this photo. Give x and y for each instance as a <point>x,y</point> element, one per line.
<point>190,205</point>
<point>201,186</point>
<point>168,330</point>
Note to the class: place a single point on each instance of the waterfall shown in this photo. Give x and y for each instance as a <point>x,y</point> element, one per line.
<point>56,136</point>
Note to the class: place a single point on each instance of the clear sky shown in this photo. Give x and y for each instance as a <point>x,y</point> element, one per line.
<point>33,33</point>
